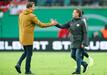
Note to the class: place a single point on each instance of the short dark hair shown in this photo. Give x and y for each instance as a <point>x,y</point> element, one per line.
<point>80,12</point>
<point>29,4</point>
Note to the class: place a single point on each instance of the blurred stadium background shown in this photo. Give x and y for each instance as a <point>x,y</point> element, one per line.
<point>52,39</point>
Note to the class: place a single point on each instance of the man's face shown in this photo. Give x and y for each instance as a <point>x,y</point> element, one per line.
<point>33,7</point>
<point>75,14</point>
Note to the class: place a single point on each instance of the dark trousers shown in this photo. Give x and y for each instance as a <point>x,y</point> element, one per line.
<point>77,56</point>
<point>28,55</point>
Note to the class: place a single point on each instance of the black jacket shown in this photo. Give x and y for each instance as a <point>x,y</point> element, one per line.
<point>78,30</point>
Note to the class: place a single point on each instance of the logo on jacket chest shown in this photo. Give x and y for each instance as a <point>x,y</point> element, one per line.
<point>78,25</point>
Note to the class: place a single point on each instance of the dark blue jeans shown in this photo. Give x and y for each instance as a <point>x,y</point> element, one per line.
<point>28,55</point>
<point>77,56</point>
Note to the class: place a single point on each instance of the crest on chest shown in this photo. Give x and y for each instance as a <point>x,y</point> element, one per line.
<point>77,25</point>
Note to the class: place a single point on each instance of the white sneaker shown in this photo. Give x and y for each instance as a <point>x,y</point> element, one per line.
<point>90,61</point>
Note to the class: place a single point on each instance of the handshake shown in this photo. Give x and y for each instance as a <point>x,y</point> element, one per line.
<point>53,22</point>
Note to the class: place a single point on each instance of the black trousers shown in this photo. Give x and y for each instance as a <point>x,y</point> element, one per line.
<point>28,55</point>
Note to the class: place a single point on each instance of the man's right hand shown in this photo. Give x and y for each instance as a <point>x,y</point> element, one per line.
<point>53,22</point>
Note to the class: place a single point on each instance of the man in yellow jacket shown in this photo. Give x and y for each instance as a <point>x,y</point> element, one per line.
<point>27,22</point>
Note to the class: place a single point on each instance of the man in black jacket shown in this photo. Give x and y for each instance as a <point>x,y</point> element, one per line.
<point>78,38</point>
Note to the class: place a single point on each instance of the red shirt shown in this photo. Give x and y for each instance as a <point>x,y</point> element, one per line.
<point>4,6</point>
<point>104,32</point>
<point>63,33</point>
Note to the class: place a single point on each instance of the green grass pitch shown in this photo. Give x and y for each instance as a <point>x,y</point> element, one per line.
<point>51,63</point>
